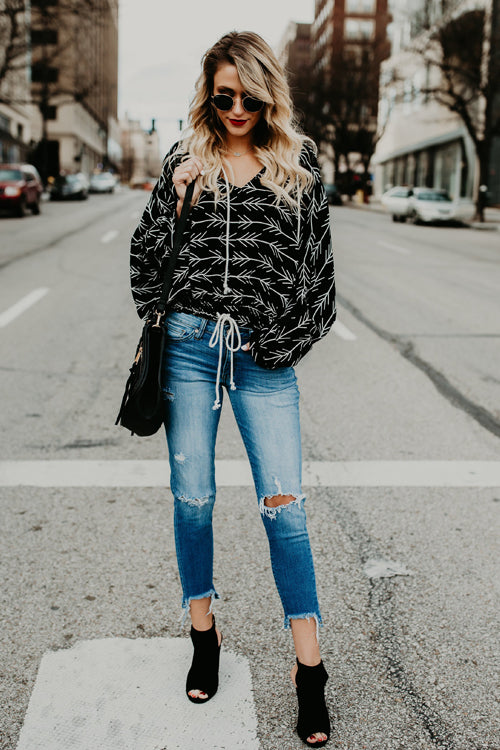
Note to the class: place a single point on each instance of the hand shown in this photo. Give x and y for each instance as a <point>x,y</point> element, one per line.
<point>184,174</point>
<point>245,347</point>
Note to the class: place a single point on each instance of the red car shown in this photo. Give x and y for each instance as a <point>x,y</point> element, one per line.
<point>20,188</point>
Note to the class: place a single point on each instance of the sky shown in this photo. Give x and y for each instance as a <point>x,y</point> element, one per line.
<point>162,42</point>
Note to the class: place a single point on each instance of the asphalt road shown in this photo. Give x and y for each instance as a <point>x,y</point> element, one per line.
<point>409,375</point>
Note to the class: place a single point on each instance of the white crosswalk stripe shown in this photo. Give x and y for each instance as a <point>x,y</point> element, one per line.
<point>237,473</point>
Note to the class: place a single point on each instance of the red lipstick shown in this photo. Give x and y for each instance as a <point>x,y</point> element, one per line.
<point>237,123</point>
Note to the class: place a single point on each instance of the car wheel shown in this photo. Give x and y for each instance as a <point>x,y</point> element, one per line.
<point>21,209</point>
<point>35,208</point>
<point>395,218</point>
<point>413,218</point>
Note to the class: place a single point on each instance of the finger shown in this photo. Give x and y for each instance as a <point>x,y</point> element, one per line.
<point>182,178</point>
<point>190,172</point>
<point>197,164</point>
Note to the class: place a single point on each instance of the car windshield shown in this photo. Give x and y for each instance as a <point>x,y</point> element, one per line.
<point>433,196</point>
<point>11,174</point>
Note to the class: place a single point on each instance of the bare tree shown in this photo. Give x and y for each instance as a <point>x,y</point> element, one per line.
<point>342,104</point>
<point>50,34</point>
<point>461,51</point>
<point>13,37</point>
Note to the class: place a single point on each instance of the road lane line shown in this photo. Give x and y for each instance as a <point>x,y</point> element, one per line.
<point>128,694</point>
<point>343,332</point>
<point>24,304</point>
<point>109,236</point>
<point>155,473</point>
<point>396,248</point>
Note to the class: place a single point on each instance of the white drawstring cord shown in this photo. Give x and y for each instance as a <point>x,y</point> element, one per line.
<point>218,337</point>
<point>228,214</point>
<point>298,211</point>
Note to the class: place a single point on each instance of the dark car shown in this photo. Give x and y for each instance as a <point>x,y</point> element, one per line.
<point>70,186</point>
<point>333,195</point>
<point>20,188</point>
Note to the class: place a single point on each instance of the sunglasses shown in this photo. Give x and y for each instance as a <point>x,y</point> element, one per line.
<point>224,102</point>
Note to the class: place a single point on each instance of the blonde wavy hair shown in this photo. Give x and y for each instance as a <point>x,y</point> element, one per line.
<point>276,138</point>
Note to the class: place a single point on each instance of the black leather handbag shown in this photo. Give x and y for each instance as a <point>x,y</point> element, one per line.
<point>141,410</point>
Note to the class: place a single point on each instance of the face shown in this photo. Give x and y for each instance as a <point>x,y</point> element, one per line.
<point>237,120</point>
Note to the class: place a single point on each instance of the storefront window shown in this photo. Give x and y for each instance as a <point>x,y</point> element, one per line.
<point>358,29</point>
<point>360,6</point>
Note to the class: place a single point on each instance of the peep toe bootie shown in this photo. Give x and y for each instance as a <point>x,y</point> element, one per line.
<point>204,672</point>
<point>313,713</point>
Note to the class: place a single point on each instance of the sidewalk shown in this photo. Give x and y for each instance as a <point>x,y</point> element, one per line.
<point>491,215</point>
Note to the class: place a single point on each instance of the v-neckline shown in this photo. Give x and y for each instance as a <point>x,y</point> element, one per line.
<point>240,187</point>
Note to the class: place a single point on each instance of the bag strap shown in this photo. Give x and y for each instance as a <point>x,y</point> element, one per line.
<point>169,270</point>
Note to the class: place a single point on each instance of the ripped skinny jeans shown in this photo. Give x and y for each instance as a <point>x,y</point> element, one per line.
<point>266,406</point>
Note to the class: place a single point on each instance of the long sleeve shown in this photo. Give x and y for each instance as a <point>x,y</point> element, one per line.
<point>152,240</point>
<point>311,313</point>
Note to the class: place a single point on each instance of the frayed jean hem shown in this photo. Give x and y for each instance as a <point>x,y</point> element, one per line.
<point>212,593</point>
<point>306,616</point>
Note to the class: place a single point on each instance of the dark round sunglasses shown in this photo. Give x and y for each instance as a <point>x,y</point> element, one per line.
<point>224,102</point>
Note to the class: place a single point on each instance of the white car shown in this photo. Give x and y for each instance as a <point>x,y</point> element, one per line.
<point>426,205</point>
<point>396,201</point>
<point>103,182</point>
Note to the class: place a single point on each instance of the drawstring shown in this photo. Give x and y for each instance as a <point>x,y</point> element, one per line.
<point>298,211</point>
<point>228,213</point>
<point>218,337</point>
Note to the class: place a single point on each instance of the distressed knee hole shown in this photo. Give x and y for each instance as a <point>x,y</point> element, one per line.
<point>272,502</point>
<point>272,505</point>
<point>196,502</point>
<point>179,457</point>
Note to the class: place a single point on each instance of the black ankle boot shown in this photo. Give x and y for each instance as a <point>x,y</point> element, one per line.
<point>313,713</point>
<point>204,672</point>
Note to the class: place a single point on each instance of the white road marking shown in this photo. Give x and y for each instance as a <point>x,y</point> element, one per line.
<point>237,473</point>
<point>343,332</point>
<point>109,236</point>
<point>24,304</point>
<point>396,248</point>
<point>128,694</point>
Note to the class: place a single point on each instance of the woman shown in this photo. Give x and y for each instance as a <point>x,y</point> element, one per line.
<point>252,291</point>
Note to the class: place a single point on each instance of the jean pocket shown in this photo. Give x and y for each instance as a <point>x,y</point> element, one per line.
<point>182,326</point>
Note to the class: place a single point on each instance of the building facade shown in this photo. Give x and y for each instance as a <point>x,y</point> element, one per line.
<point>15,120</point>
<point>422,142</point>
<point>349,41</point>
<point>74,85</point>
<point>295,54</point>
<point>141,160</point>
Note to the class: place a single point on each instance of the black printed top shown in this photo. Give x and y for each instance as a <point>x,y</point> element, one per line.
<point>261,263</point>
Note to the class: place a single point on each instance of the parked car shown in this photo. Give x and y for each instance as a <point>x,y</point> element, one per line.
<point>333,195</point>
<point>396,201</point>
<point>146,183</point>
<point>428,205</point>
<point>68,186</point>
<point>20,188</point>
<point>103,182</point>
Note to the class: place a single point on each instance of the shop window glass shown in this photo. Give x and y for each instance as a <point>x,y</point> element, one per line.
<point>357,29</point>
<point>360,6</point>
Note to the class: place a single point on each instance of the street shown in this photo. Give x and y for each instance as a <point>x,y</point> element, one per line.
<point>400,433</point>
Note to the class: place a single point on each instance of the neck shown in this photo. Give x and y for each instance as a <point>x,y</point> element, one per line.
<point>238,143</point>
